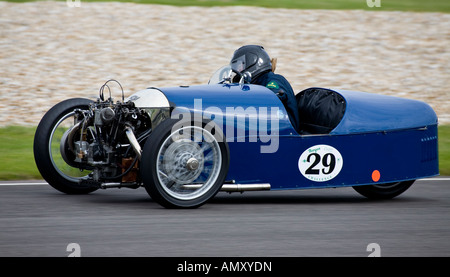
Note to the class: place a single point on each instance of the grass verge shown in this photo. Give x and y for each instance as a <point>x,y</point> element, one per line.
<point>444,149</point>
<point>384,5</point>
<point>17,160</point>
<point>16,148</point>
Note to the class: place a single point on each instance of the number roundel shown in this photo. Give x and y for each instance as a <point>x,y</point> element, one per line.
<point>320,163</point>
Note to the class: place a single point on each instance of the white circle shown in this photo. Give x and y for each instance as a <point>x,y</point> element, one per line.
<point>320,163</point>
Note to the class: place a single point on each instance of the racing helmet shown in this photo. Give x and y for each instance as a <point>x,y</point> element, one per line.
<point>252,59</point>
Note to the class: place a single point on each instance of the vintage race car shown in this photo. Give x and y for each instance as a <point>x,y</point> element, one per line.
<point>184,144</point>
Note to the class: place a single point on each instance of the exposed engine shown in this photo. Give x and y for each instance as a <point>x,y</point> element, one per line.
<point>105,139</point>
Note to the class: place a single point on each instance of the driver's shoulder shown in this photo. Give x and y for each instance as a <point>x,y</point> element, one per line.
<point>275,81</point>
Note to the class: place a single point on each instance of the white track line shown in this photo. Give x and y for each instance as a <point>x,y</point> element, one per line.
<point>22,184</point>
<point>435,179</point>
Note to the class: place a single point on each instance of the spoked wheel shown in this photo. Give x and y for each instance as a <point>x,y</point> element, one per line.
<point>54,161</point>
<point>383,191</point>
<point>184,166</point>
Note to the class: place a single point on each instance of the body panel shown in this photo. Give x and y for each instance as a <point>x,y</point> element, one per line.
<point>393,137</point>
<point>369,112</point>
<point>397,156</point>
<point>149,98</point>
<point>228,104</point>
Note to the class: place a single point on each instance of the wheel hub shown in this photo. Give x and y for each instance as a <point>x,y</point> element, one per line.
<point>192,164</point>
<point>183,161</point>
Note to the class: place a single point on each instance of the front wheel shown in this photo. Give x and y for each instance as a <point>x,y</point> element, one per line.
<point>53,164</point>
<point>383,191</point>
<point>184,166</point>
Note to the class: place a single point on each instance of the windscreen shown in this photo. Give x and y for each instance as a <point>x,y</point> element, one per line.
<point>224,74</point>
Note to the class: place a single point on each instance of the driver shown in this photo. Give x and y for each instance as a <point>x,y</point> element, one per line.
<point>253,60</point>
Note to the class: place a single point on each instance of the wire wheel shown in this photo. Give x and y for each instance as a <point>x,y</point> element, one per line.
<point>55,163</point>
<point>187,165</point>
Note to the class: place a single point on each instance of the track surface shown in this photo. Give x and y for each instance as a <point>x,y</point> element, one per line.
<point>36,220</point>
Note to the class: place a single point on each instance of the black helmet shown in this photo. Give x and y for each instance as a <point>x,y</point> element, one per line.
<point>251,58</point>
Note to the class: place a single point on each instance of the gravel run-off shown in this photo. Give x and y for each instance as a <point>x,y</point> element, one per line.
<point>50,52</point>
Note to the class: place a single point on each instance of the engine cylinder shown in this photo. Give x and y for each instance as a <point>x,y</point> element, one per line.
<point>107,115</point>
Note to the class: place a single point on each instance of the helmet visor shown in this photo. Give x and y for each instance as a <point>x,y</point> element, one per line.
<point>238,64</point>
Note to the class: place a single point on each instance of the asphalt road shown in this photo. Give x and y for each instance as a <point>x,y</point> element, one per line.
<point>36,220</point>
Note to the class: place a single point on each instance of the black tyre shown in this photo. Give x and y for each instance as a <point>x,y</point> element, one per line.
<point>184,166</point>
<point>54,166</point>
<point>384,191</point>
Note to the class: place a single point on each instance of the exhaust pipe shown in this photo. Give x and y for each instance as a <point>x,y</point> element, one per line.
<point>235,187</point>
<point>119,185</point>
<point>133,141</point>
<point>246,187</point>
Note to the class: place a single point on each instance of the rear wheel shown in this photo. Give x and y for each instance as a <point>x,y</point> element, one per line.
<point>54,163</point>
<point>184,166</point>
<point>383,191</point>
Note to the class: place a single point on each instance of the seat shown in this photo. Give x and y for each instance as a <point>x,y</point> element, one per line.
<point>320,110</point>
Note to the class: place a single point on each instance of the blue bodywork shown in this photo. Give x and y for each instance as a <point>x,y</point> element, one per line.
<point>393,137</point>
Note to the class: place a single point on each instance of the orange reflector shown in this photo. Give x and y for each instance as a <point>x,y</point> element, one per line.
<point>376,175</point>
